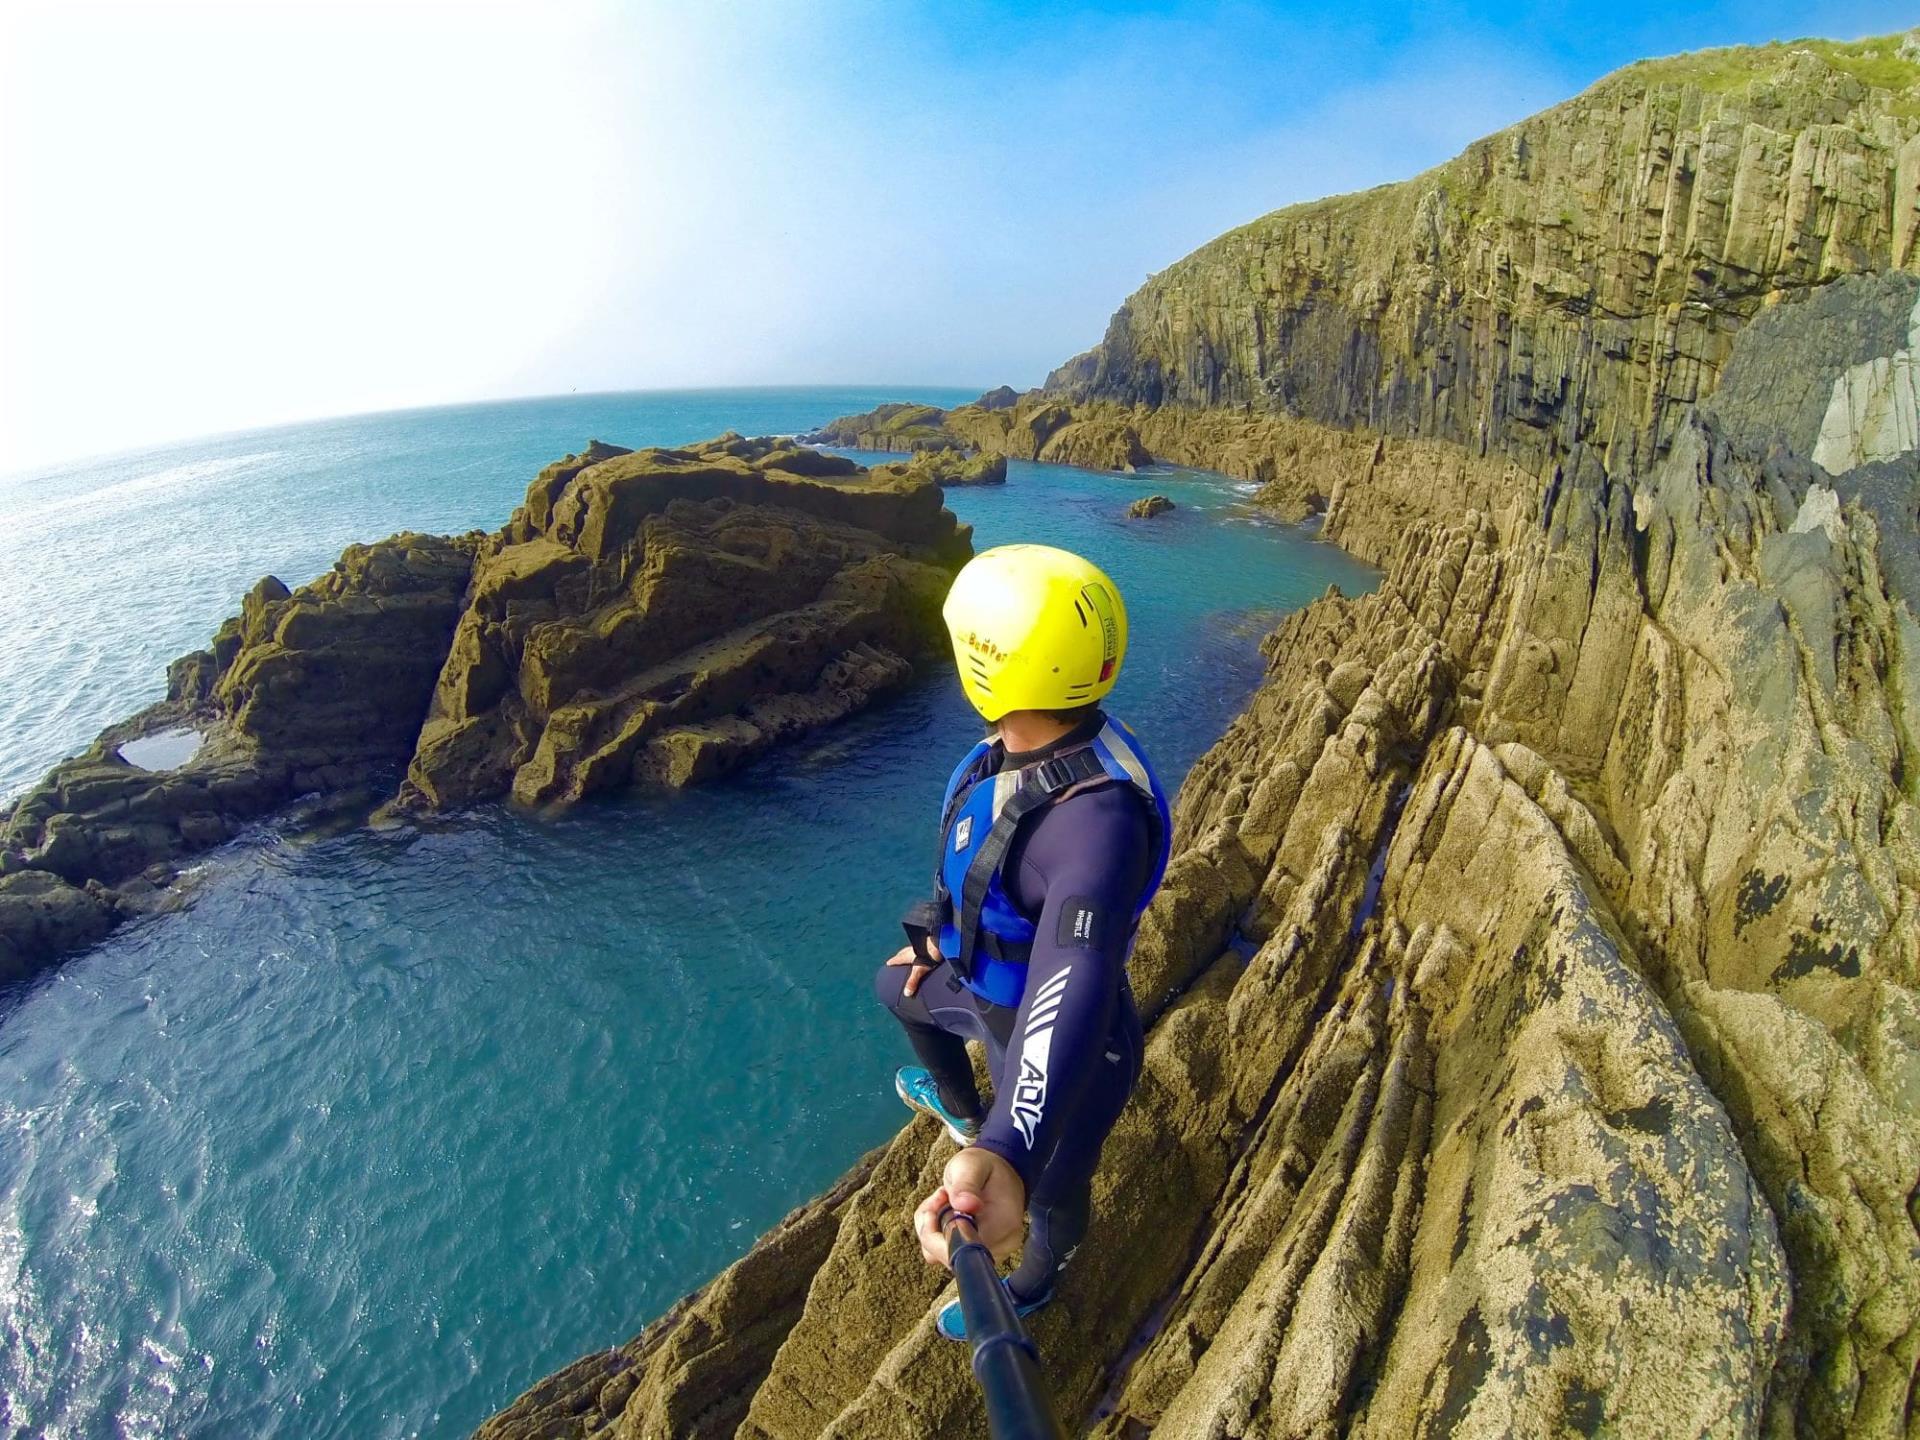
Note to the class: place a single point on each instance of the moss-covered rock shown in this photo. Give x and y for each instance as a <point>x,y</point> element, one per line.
<point>42,915</point>
<point>894,426</point>
<point>1579,276</point>
<point>950,468</point>
<point>657,617</point>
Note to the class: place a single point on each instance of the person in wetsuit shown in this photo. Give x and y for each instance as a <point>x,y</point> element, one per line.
<point>1053,837</point>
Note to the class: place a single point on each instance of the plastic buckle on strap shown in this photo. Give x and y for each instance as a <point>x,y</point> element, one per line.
<point>1054,774</point>
<point>1058,772</point>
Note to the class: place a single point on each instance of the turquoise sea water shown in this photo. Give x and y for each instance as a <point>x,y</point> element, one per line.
<point>384,1127</point>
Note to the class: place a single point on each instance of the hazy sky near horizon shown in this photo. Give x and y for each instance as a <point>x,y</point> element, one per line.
<point>220,215</point>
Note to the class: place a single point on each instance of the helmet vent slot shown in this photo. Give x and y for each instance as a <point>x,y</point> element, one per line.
<point>1078,610</point>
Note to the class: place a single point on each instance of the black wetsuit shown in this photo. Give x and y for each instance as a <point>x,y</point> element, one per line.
<point>1076,870</point>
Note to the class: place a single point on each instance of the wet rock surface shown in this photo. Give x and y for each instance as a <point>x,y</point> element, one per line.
<point>1148,506</point>
<point>645,618</point>
<point>1533,1020</point>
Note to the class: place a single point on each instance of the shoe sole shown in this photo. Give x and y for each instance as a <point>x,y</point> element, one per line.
<point>954,1132</point>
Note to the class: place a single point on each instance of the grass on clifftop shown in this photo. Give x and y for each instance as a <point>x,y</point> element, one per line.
<point>1877,63</point>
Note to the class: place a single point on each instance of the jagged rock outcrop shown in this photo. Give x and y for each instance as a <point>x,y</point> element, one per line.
<point>1534,997</point>
<point>644,618</point>
<point>896,426</point>
<point>1575,279</point>
<point>42,915</point>
<point>1148,506</point>
<point>1035,426</point>
<point>319,689</point>
<point>657,617</point>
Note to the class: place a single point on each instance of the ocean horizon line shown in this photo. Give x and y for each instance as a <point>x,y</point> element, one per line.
<point>47,468</point>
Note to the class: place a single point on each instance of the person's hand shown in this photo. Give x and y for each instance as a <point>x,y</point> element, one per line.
<point>907,955</point>
<point>980,1184</point>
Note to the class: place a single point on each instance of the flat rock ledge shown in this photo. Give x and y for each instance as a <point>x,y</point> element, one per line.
<point>646,618</point>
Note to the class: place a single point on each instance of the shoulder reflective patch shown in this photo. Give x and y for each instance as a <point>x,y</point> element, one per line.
<point>1081,925</point>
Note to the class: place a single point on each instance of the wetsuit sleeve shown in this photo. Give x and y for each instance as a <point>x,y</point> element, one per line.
<point>1084,867</point>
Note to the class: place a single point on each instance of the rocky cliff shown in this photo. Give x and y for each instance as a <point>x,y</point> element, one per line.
<point>1578,278</point>
<point>1534,998</point>
<point>645,618</point>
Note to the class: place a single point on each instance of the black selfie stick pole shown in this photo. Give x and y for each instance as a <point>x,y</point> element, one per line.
<point>1004,1360</point>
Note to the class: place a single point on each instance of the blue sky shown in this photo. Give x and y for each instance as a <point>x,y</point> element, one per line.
<point>218,214</point>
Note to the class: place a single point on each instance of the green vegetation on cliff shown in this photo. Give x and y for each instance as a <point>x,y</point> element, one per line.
<point>1886,62</point>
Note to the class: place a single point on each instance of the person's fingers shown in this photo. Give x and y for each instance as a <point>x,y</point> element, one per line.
<point>933,1245</point>
<point>967,1176</point>
<point>983,1185</point>
<point>914,977</point>
<point>903,956</point>
<point>926,1227</point>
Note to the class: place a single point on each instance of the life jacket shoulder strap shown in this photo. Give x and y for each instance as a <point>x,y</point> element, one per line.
<point>924,918</point>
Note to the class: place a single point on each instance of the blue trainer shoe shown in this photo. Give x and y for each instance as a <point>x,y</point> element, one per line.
<point>953,1325</point>
<point>916,1088</point>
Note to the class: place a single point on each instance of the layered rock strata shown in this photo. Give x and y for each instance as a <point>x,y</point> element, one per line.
<point>1534,996</point>
<point>645,618</point>
<point>1575,279</point>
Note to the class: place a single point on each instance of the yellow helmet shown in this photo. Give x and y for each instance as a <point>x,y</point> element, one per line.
<point>1034,628</point>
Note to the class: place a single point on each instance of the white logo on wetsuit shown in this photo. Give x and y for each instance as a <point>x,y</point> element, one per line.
<point>1030,1088</point>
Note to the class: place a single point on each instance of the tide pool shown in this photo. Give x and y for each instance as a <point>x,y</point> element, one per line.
<point>383,1127</point>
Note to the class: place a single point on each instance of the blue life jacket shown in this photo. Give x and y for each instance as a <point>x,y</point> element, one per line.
<point>980,932</point>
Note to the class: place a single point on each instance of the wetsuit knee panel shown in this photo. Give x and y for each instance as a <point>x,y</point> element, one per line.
<point>889,985</point>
